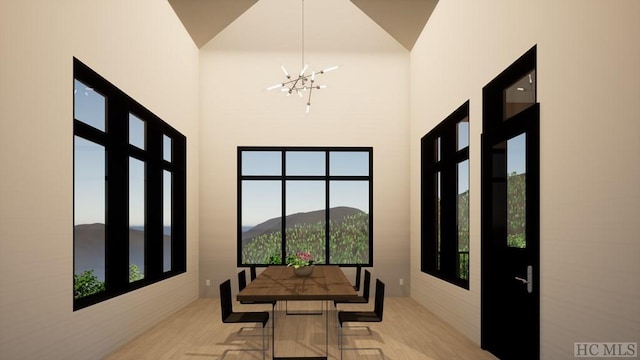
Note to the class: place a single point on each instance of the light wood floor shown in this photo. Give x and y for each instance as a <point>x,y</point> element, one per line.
<point>196,332</point>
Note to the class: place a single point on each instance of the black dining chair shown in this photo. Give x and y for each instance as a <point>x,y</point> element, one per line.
<point>229,316</point>
<point>356,286</point>
<point>362,316</point>
<point>242,283</point>
<point>362,299</point>
<point>252,271</point>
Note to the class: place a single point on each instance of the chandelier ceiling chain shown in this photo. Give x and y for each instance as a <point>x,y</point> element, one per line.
<point>304,82</point>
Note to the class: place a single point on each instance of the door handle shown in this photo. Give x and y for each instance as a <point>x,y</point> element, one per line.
<point>528,280</point>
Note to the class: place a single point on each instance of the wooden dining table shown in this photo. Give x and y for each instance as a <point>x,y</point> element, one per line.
<point>279,283</point>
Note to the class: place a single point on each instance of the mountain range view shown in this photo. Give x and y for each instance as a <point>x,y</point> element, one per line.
<point>336,215</point>
<point>89,248</point>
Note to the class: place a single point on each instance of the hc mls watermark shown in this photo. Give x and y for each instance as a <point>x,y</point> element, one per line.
<point>605,349</point>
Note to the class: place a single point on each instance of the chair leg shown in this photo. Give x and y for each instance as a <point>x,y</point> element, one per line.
<point>339,341</point>
<point>342,347</point>
<point>368,329</point>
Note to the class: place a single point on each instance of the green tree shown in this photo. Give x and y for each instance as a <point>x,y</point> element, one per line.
<point>134,273</point>
<point>86,284</point>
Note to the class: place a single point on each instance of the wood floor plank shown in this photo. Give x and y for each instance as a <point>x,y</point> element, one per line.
<point>196,332</point>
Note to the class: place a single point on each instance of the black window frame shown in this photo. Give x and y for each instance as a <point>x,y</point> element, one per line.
<point>115,140</point>
<point>439,154</point>
<point>284,178</point>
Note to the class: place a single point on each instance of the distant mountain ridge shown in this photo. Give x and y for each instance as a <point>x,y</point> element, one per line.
<point>336,214</point>
<point>89,249</point>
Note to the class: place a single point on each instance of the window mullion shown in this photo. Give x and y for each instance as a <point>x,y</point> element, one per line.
<point>448,208</point>
<point>283,207</point>
<point>154,205</point>
<point>117,244</point>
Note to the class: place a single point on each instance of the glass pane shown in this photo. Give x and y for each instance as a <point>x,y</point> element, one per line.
<point>166,148</point>
<point>438,219</point>
<point>137,132</point>
<point>516,191</point>
<point>520,95</point>
<point>137,186</point>
<point>261,222</point>
<point>167,195</point>
<point>462,133</point>
<point>89,207</point>
<point>349,222</point>
<point>305,222</point>
<point>89,106</point>
<point>463,219</point>
<point>305,163</point>
<point>354,163</point>
<point>261,163</point>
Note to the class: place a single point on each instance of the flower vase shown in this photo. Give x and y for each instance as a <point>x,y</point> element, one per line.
<point>303,271</point>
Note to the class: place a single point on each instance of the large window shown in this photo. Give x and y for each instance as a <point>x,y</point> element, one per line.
<point>445,199</point>
<point>129,192</point>
<point>305,199</point>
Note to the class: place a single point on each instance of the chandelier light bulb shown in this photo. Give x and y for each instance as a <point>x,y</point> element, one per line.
<point>329,69</point>
<point>275,87</point>
<point>304,69</point>
<point>285,72</point>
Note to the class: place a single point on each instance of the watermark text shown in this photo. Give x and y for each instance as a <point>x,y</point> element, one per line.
<point>605,349</point>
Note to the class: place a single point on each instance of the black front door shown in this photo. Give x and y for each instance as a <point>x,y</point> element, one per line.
<point>510,215</point>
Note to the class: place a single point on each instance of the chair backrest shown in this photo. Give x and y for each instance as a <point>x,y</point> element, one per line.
<point>367,285</point>
<point>242,280</point>
<point>253,272</point>
<point>358,276</point>
<point>226,304</point>
<point>378,308</point>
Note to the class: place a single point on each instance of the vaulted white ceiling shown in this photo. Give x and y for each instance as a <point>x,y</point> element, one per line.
<point>402,19</point>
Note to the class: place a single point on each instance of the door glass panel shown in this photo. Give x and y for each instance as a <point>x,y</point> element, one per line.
<point>305,163</point>
<point>89,106</point>
<point>462,133</point>
<point>516,191</point>
<point>305,221</point>
<point>261,163</point>
<point>520,95</point>
<point>89,192</point>
<point>167,195</point>
<point>261,222</point>
<point>349,222</point>
<point>137,185</point>
<point>463,219</point>
<point>166,148</point>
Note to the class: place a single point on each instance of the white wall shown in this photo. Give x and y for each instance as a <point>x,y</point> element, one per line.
<point>588,88</point>
<point>366,104</point>
<point>141,47</point>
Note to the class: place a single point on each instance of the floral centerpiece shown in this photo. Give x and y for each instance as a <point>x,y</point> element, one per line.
<point>301,258</point>
<point>302,263</point>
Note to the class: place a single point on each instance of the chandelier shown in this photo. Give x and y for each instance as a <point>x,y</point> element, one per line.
<point>304,82</point>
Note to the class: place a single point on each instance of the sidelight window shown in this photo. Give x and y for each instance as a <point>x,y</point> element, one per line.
<point>445,199</point>
<point>129,193</point>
